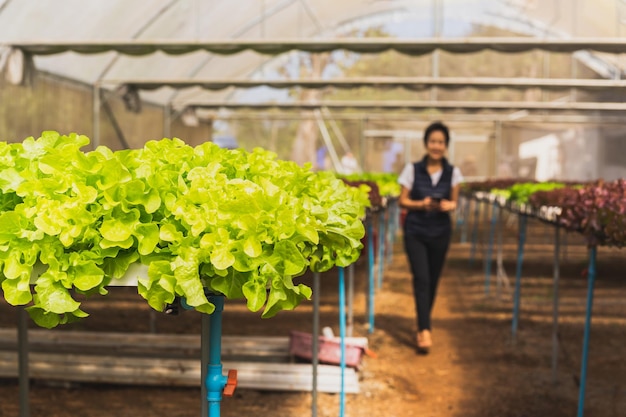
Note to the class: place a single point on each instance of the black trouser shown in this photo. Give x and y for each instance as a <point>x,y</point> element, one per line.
<point>426,258</point>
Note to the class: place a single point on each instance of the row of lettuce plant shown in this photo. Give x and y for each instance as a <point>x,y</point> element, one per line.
<point>387,183</point>
<point>242,224</point>
<point>375,199</point>
<point>596,209</point>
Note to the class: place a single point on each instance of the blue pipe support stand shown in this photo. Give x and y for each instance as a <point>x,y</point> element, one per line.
<point>396,224</point>
<point>465,210</point>
<point>391,230</point>
<point>488,262</point>
<point>459,216</point>
<point>474,232</point>
<point>370,270</point>
<point>518,273</point>
<point>583,371</point>
<point>215,381</point>
<point>342,340</point>
<point>381,246</point>
<point>555,304</point>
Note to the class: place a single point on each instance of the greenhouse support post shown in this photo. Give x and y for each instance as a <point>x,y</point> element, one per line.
<point>501,277</point>
<point>583,370</point>
<point>315,344</point>
<point>484,236</point>
<point>370,274</point>
<point>22,343</point>
<point>395,219</point>
<point>391,230</point>
<point>167,120</point>
<point>342,340</point>
<point>465,217</point>
<point>459,212</point>
<point>518,273</point>
<point>555,307</point>
<point>381,246</point>
<point>474,231</point>
<point>395,224</point>
<point>488,260</point>
<point>95,140</point>
<point>350,324</point>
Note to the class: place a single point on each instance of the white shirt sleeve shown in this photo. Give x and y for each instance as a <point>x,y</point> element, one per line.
<point>457,177</point>
<point>407,176</point>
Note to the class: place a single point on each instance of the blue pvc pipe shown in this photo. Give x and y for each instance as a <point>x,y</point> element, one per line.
<point>342,340</point>
<point>474,231</point>
<point>583,371</point>
<point>518,273</point>
<point>315,345</point>
<point>350,302</point>
<point>370,270</point>
<point>488,262</point>
<point>381,246</point>
<point>215,381</point>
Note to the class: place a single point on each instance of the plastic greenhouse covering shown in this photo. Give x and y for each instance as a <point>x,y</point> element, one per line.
<point>103,24</point>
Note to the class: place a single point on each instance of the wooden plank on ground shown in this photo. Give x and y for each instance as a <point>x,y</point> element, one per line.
<point>175,372</point>
<point>163,345</point>
<point>154,345</point>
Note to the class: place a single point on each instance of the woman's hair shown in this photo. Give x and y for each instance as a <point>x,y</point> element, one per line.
<point>437,126</point>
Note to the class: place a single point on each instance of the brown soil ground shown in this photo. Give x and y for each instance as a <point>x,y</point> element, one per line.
<point>474,368</point>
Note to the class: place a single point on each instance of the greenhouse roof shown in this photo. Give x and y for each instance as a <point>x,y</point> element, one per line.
<point>199,40</point>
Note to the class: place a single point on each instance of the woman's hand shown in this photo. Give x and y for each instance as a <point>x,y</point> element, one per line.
<point>429,204</point>
<point>447,205</point>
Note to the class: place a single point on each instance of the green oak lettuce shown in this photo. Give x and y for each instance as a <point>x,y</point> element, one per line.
<point>232,222</point>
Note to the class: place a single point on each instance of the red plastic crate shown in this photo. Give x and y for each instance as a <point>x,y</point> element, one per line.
<point>301,346</point>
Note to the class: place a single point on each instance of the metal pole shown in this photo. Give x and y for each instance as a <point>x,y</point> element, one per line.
<point>167,121</point>
<point>342,340</point>
<point>350,326</point>
<point>565,245</point>
<point>315,344</point>
<point>488,262</point>
<point>459,212</point>
<point>485,239</point>
<point>389,231</point>
<point>501,276</point>
<point>475,231</point>
<point>498,145</point>
<point>555,309</point>
<point>583,371</point>
<point>381,246</point>
<point>96,116</point>
<point>518,273</point>
<point>466,210</point>
<point>22,342</point>
<point>328,141</point>
<point>362,151</point>
<point>370,269</point>
<point>435,53</point>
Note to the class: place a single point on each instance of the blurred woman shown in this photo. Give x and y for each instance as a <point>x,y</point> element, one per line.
<point>430,191</point>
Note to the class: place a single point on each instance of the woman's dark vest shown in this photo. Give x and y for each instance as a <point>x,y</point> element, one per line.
<point>429,223</point>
